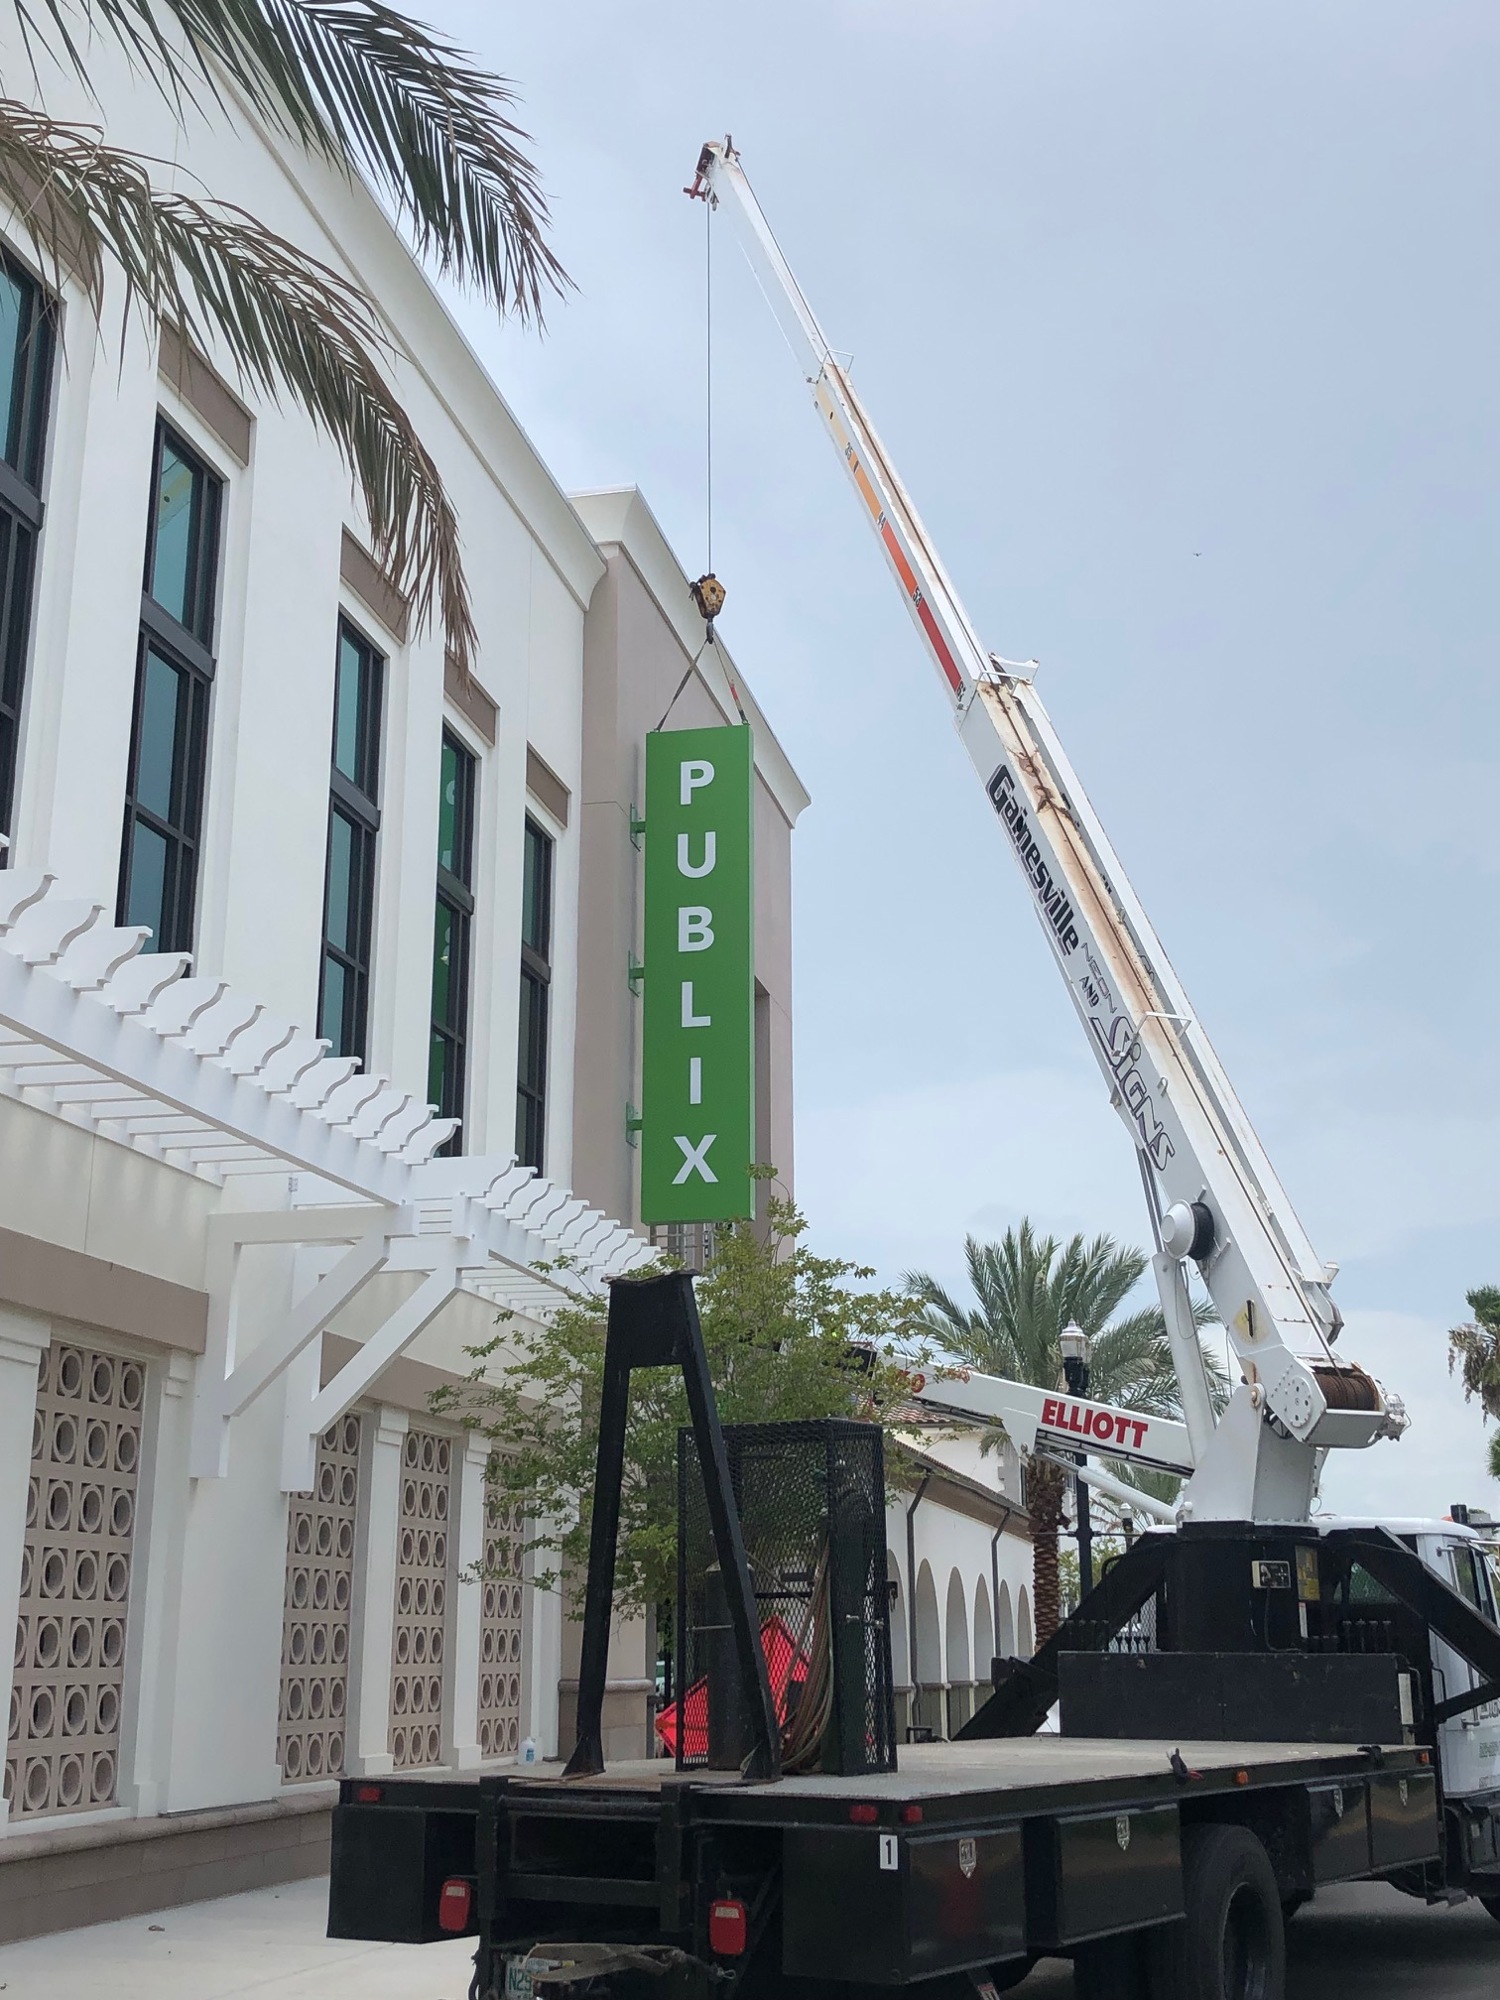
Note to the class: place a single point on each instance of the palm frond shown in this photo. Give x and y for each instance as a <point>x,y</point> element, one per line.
<point>289,324</point>
<point>1163,1486</point>
<point>1476,1347</point>
<point>361,84</point>
<point>1027,1287</point>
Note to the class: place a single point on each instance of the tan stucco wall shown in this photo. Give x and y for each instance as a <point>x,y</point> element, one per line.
<point>638,633</point>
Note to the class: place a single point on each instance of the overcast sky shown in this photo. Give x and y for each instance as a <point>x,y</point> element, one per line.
<point>1181,323</point>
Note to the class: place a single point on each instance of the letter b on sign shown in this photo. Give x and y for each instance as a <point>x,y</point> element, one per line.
<point>695,927</point>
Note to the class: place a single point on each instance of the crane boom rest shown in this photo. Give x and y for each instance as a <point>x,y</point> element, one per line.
<point>1214,1197</point>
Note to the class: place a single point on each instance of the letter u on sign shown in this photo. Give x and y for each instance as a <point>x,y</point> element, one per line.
<point>685,863</point>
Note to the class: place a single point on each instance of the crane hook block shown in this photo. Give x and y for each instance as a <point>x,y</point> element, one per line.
<point>708,595</point>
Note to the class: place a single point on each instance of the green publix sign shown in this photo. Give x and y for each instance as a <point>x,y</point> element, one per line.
<point>698,1061</point>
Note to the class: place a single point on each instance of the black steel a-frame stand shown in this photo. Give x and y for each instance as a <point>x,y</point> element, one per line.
<point>653,1323</point>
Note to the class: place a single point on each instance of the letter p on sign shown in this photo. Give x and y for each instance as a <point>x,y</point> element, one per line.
<point>695,773</point>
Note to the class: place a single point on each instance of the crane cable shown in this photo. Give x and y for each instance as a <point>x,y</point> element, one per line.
<point>708,382</point>
<point>707,591</point>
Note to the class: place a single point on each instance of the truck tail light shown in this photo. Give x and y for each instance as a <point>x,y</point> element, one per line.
<point>455,1900</point>
<point>367,1795</point>
<point>864,1814</point>
<point>727,1927</point>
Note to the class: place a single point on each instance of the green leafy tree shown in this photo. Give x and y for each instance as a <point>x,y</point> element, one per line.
<point>357,84</point>
<point>1474,1349</point>
<point>1027,1288</point>
<point>789,1336</point>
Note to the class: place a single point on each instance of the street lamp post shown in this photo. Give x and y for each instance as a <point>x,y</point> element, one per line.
<point>1076,1350</point>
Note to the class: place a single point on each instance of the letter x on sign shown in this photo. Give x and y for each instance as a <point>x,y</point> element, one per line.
<point>695,1159</point>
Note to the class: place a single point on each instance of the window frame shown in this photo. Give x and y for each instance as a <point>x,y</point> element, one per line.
<point>360,811</point>
<point>536,973</point>
<point>455,893</point>
<point>187,651</point>
<point>23,505</point>
<point>193,640</point>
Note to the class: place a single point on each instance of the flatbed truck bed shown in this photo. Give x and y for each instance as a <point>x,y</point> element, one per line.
<point>958,1778</point>
<point>947,1877</point>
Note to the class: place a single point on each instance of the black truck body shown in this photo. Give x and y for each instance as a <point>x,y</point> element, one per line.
<point>960,1867</point>
<point>1148,1839</point>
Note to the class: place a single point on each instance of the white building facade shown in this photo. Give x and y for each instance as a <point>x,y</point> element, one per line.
<point>291,925</point>
<point>317,1036</point>
<point>959,1557</point>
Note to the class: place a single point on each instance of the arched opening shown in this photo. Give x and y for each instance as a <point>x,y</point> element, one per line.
<point>1005,1632</point>
<point>984,1639</point>
<point>927,1668</point>
<point>1023,1626</point>
<point>900,1651</point>
<point>960,1704</point>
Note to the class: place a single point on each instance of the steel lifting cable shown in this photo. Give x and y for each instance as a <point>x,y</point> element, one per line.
<point>709,383</point>
<point>708,460</point>
<point>708,592</point>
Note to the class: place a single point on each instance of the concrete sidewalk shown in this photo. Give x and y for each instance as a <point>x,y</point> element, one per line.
<point>268,1944</point>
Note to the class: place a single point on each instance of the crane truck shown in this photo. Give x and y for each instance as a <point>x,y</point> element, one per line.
<point>1254,1701</point>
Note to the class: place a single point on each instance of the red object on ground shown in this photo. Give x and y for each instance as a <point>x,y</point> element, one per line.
<point>786,1668</point>
<point>455,1901</point>
<point>727,1928</point>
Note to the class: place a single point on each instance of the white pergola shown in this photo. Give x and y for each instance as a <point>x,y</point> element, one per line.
<point>185,1070</point>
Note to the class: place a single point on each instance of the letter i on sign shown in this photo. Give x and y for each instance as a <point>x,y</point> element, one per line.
<point>697,1138</point>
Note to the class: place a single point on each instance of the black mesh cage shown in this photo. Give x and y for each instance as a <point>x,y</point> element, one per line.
<point>811,1502</point>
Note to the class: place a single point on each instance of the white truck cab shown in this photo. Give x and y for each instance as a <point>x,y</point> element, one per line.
<point>1468,1562</point>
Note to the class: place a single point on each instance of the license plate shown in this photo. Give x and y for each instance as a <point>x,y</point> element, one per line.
<point>519,1983</point>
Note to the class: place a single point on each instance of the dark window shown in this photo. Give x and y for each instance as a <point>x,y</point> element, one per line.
<point>536,977</point>
<point>1471,1572</point>
<point>174,672</point>
<point>182,560</point>
<point>450,944</point>
<point>26,344</point>
<point>353,822</point>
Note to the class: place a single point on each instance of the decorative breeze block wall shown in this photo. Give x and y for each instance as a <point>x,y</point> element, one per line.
<point>422,1585</point>
<point>63,1738</point>
<point>315,1618</point>
<point>500,1626</point>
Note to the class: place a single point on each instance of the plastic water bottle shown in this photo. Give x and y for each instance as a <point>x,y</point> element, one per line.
<point>528,1750</point>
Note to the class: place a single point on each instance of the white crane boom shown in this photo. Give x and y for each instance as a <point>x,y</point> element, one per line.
<point>1214,1196</point>
<point>1059,1418</point>
<point>1059,1425</point>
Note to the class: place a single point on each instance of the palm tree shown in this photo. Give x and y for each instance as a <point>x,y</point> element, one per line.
<point>357,84</point>
<point>1028,1288</point>
<point>1474,1348</point>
